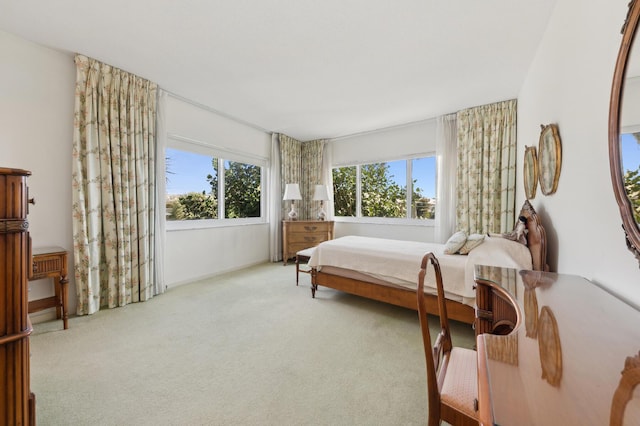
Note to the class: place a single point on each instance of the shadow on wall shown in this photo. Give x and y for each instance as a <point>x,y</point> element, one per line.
<point>552,239</point>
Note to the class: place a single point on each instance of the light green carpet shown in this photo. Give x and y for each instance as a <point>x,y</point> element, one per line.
<point>245,348</point>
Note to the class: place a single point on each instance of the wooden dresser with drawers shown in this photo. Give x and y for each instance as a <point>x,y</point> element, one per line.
<point>301,234</point>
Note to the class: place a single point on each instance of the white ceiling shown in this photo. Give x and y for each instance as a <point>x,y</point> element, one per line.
<point>307,68</point>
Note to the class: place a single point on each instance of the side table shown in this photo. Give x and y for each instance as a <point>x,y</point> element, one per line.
<point>51,262</point>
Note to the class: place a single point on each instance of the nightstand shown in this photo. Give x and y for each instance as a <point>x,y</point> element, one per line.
<point>51,262</point>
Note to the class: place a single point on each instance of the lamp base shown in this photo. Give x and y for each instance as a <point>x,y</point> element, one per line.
<point>293,214</point>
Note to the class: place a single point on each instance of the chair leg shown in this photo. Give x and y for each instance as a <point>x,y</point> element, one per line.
<point>297,269</point>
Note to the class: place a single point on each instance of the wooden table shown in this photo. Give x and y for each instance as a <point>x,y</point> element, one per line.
<point>562,362</point>
<point>51,262</point>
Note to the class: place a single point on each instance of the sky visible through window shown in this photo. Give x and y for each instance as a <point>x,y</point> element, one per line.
<point>424,171</point>
<point>187,172</point>
<point>630,152</point>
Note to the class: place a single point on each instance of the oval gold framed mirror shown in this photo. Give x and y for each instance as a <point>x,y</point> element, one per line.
<point>624,129</point>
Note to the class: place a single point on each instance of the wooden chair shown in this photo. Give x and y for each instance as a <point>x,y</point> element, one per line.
<point>626,404</point>
<point>452,373</point>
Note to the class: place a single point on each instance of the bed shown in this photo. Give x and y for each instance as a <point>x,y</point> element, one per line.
<point>387,270</point>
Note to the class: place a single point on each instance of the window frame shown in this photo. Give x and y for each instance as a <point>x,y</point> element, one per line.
<point>407,221</point>
<point>221,154</point>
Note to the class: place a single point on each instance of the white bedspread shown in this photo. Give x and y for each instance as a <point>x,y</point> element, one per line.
<point>399,261</point>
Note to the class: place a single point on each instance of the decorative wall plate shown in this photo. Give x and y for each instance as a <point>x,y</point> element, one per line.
<point>549,158</point>
<point>530,170</point>
<point>531,312</point>
<point>549,346</point>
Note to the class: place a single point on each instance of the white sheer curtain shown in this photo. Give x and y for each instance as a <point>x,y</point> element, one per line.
<point>446,165</point>
<point>327,177</point>
<point>159,285</point>
<point>275,201</point>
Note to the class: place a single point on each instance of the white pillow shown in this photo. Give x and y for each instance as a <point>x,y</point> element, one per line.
<point>455,242</point>
<point>473,241</point>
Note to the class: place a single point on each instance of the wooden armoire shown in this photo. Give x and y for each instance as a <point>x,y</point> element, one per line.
<point>17,403</point>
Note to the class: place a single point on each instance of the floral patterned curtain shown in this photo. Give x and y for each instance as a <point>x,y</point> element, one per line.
<point>486,168</point>
<point>113,186</point>
<point>290,172</point>
<point>311,176</point>
<point>301,163</point>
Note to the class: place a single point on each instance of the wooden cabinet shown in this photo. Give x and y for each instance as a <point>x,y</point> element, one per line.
<point>17,404</point>
<point>301,234</point>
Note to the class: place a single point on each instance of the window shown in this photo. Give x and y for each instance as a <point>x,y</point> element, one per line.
<point>242,190</point>
<point>194,183</point>
<point>630,152</point>
<point>379,190</point>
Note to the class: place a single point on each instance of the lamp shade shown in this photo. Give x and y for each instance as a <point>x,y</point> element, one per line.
<point>321,192</point>
<point>292,192</point>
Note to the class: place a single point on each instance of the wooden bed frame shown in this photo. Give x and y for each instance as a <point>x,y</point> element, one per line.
<point>536,242</point>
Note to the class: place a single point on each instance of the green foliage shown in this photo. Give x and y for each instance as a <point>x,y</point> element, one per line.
<point>242,190</point>
<point>344,191</point>
<point>423,207</point>
<point>381,196</point>
<point>242,196</point>
<point>194,205</point>
<point>632,186</point>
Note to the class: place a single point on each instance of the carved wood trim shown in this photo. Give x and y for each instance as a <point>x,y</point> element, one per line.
<point>628,382</point>
<point>10,226</point>
<point>631,230</point>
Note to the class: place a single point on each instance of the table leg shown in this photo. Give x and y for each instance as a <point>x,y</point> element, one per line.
<point>58,293</point>
<point>63,295</point>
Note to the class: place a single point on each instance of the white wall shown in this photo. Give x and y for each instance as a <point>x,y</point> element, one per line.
<point>36,134</point>
<point>199,253</point>
<point>569,83</point>
<point>386,145</point>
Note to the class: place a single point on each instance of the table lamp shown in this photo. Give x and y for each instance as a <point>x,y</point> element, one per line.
<point>292,192</point>
<point>321,193</point>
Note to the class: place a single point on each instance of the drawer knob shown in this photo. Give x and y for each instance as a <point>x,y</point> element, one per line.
<point>310,228</point>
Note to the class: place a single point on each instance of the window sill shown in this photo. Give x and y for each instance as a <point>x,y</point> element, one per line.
<point>184,225</point>
<point>386,221</point>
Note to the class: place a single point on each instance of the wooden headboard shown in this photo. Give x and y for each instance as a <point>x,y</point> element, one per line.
<point>536,237</point>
